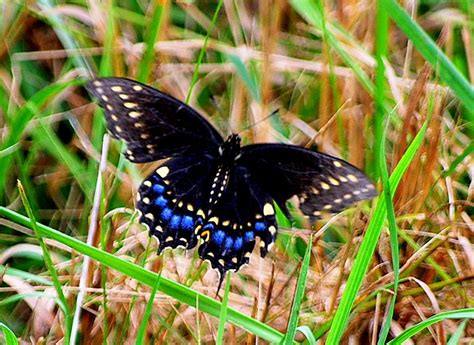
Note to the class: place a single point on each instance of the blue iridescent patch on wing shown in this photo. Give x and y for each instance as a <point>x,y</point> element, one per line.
<point>228,243</point>
<point>187,223</point>
<point>175,222</point>
<point>238,243</point>
<point>161,201</point>
<point>260,226</point>
<point>158,188</point>
<point>218,237</point>
<point>166,214</point>
<point>249,236</point>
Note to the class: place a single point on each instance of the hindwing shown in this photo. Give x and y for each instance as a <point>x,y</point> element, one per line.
<point>173,200</point>
<point>243,213</point>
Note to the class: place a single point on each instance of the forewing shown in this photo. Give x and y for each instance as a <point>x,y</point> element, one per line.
<point>243,213</point>
<point>323,183</point>
<point>153,124</point>
<point>172,200</point>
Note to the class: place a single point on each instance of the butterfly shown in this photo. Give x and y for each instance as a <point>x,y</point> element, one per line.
<point>212,191</point>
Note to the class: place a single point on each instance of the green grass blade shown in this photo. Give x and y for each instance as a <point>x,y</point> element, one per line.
<point>168,287</point>
<point>8,335</point>
<point>146,316</point>
<point>452,314</point>
<point>244,74</point>
<point>369,243</point>
<point>24,275</point>
<point>393,230</point>
<point>223,312</point>
<point>203,51</point>
<point>457,335</point>
<point>299,294</point>
<point>21,118</point>
<point>49,263</point>
<point>310,338</point>
<point>431,52</point>
<point>459,159</point>
<point>153,28</point>
<point>63,32</point>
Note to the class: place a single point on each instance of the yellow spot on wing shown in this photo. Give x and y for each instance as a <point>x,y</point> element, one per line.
<point>205,235</point>
<point>337,164</point>
<point>342,179</point>
<point>214,220</point>
<point>163,171</point>
<point>137,87</point>
<point>352,178</point>
<point>134,114</point>
<point>124,96</point>
<point>334,181</point>
<point>268,210</point>
<point>130,105</point>
<point>325,185</point>
<point>116,88</point>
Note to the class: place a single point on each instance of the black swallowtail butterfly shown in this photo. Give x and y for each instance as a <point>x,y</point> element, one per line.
<point>213,189</point>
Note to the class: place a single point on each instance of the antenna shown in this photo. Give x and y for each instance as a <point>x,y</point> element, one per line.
<point>274,112</point>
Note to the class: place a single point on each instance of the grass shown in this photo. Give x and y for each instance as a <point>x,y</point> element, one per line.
<point>386,87</point>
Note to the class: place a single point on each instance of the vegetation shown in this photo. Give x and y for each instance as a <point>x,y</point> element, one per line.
<point>386,87</point>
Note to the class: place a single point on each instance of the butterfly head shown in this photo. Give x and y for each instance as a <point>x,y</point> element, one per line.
<point>230,149</point>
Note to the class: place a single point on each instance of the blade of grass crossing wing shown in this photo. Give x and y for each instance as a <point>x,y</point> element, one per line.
<point>410,332</point>
<point>168,287</point>
<point>223,313</point>
<point>49,264</point>
<point>369,242</point>
<point>299,294</point>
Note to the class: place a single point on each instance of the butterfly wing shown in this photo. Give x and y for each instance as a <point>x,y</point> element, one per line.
<point>153,124</point>
<point>323,183</point>
<point>173,199</point>
<point>242,213</point>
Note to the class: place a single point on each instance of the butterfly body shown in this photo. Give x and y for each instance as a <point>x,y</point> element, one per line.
<point>212,191</point>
